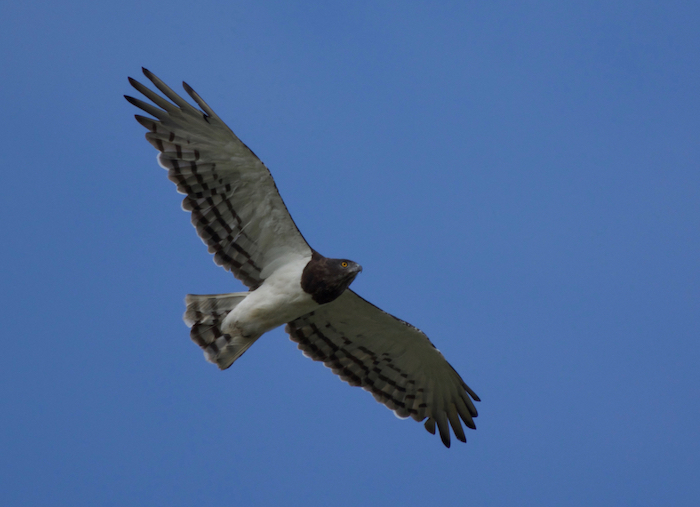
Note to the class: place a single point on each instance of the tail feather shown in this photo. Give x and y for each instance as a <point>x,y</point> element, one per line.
<point>204,315</point>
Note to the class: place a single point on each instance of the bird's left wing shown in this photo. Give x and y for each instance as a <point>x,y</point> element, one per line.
<point>234,201</point>
<point>390,358</point>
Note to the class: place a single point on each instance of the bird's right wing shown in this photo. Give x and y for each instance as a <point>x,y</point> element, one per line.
<point>234,201</point>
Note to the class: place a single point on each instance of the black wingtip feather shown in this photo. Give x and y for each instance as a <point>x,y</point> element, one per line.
<point>149,123</point>
<point>187,88</point>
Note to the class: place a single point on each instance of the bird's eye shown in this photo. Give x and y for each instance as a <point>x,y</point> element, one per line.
<point>344,264</point>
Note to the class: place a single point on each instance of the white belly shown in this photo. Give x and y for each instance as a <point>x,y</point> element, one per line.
<point>280,299</point>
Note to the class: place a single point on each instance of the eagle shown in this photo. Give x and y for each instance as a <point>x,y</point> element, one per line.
<point>239,214</point>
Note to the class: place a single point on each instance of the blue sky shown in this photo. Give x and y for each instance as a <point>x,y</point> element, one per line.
<point>519,180</point>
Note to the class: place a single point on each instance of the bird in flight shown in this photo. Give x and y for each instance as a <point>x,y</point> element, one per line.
<point>240,216</point>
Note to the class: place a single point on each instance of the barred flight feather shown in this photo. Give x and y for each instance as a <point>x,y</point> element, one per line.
<point>391,359</point>
<point>204,315</point>
<point>235,205</point>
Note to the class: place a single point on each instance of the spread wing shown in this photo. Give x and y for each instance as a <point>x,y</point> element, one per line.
<point>234,201</point>
<point>388,357</point>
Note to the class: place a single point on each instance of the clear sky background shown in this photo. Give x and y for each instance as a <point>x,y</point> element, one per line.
<point>521,180</point>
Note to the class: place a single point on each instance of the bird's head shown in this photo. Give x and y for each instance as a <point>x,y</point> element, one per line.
<point>345,269</point>
<point>326,279</point>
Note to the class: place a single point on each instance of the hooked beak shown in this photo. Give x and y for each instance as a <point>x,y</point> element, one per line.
<point>356,270</point>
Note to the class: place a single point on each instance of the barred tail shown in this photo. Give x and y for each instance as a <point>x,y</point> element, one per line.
<point>204,316</point>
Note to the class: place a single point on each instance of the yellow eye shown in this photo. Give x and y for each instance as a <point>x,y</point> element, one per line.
<point>344,264</point>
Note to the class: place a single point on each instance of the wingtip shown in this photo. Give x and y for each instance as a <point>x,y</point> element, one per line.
<point>471,393</point>
<point>149,123</point>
